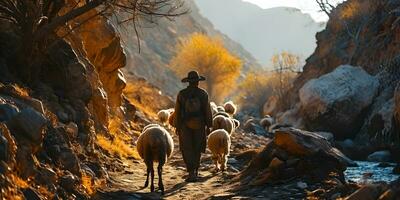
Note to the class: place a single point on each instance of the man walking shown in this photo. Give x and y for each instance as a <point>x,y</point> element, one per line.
<point>193,121</point>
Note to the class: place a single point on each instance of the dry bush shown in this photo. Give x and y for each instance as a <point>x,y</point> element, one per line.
<point>286,67</point>
<point>258,87</point>
<point>210,58</point>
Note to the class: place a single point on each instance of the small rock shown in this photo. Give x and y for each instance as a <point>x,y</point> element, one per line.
<point>380,156</point>
<point>396,170</point>
<point>384,165</point>
<point>275,163</point>
<point>46,175</point>
<point>62,116</point>
<point>69,160</point>
<point>30,194</point>
<point>301,185</point>
<point>72,130</point>
<point>232,161</point>
<point>31,124</point>
<point>7,111</point>
<point>69,181</point>
<point>336,196</point>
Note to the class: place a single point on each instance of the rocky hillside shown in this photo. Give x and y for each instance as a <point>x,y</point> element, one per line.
<point>263,32</point>
<point>348,84</point>
<point>50,128</point>
<point>157,47</point>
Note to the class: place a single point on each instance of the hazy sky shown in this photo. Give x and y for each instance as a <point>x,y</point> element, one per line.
<point>307,6</point>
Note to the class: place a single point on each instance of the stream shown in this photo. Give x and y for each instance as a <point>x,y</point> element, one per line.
<point>369,172</point>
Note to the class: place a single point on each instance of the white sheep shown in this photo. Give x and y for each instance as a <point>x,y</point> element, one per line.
<point>214,107</point>
<point>223,122</point>
<point>219,143</point>
<point>267,122</point>
<point>230,107</point>
<point>155,144</point>
<point>220,109</point>
<point>236,122</point>
<point>163,115</point>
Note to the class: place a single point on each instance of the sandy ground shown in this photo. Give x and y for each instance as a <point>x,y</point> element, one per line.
<point>128,184</point>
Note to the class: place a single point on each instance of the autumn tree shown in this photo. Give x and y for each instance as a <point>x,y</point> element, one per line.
<point>35,22</point>
<point>210,58</point>
<point>286,66</point>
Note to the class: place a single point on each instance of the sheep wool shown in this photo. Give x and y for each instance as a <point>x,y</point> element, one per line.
<point>222,122</point>
<point>230,107</point>
<point>155,144</point>
<point>219,143</point>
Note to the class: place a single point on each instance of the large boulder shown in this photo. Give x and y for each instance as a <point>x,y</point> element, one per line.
<point>296,153</point>
<point>335,102</point>
<point>304,144</point>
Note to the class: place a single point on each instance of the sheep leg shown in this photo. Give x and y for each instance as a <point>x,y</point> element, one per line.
<point>224,160</point>
<point>147,177</point>
<point>152,178</point>
<point>160,182</point>
<point>215,159</point>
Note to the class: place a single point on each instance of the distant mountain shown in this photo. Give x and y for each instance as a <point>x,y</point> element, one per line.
<point>158,43</point>
<point>263,32</point>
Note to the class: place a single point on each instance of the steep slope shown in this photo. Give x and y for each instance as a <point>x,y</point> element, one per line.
<point>158,47</point>
<point>263,32</point>
<point>365,34</point>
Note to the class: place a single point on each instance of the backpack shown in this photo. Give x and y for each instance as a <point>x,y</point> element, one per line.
<point>192,112</point>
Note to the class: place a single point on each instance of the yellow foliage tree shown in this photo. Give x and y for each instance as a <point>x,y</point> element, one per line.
<point>210,58</point>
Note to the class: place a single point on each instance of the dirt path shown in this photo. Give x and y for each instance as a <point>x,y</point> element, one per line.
<point>128,185</point>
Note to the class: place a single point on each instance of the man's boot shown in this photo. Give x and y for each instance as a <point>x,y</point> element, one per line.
<point>192,177</point>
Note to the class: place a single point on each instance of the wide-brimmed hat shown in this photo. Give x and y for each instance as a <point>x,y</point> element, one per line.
<point>193,76</point>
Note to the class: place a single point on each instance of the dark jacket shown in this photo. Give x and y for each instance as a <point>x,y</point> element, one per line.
<point>180,102</point>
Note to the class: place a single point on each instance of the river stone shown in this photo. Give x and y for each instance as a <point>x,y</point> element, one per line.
<point>335,101</point>
<point>380,156</point>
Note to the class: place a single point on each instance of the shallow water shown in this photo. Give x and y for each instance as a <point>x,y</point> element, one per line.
<point>358,174</point>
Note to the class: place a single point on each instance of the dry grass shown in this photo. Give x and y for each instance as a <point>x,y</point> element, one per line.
<point>117,147</point>
<point>88,184</point>
<point>19,182</point>
<point>45,192</point>
<point>131,90</point>
<point>119,142</point>
<point>23,92</point>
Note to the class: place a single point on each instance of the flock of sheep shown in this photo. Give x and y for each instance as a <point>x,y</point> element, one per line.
<point>155,143</point>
